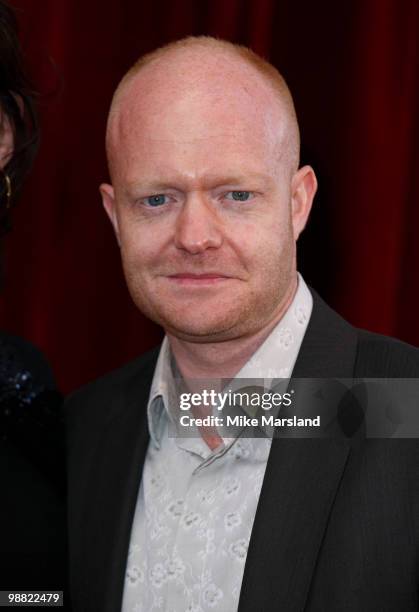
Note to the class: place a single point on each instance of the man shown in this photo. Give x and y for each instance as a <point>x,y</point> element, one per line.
<point>207,202</point>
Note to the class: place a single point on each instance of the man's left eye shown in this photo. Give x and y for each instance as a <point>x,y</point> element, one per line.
<point>239,196</point>
<point>156,200</point>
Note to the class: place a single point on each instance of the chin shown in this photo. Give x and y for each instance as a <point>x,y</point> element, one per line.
<point>198,332</point>
<point>204,328</point>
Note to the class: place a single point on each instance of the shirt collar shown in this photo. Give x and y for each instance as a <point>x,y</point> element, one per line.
<point>274,359</point>
<point>160,392</point>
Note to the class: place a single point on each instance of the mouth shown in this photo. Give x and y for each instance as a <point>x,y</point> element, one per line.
<point>190,279</point>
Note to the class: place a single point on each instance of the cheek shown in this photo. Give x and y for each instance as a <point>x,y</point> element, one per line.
<point>262,245</point>
<point>139,243</point>
<point>141,234</point>
<point>134,256</point>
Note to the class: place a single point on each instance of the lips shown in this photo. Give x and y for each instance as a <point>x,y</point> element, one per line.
<point>201,276</point>
<point>192,279</point>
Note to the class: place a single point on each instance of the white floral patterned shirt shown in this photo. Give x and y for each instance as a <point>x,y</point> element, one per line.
<point>196,507</point>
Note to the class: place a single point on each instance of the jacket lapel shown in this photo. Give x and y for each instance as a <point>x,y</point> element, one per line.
<point>111,501</point>
<point>300,484</point>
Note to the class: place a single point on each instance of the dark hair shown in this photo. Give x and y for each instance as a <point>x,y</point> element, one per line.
<point>17,104</point>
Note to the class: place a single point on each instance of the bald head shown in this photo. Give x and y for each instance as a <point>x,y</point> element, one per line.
<point>213,80</point>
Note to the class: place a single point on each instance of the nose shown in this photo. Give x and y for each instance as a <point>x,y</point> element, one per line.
<point>198,227</point>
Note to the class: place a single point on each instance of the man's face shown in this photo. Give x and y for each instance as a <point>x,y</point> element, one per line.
<point>202,204</point>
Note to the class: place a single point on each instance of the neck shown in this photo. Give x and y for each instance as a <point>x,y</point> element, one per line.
<point>225,359</point>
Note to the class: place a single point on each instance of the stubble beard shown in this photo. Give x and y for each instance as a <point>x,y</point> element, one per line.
<point>236,317</point>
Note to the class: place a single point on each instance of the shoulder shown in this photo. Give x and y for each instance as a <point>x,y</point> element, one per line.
<point>116,379</point>
<point>17,355</point>
<point>90,402</point>
<point>28,396</point>
<point>366,354</point>
<point>30,417</point>
<point>89,411</point>
<point>380,355</point>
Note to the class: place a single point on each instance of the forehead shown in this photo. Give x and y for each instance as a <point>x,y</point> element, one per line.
<point>206,112</point>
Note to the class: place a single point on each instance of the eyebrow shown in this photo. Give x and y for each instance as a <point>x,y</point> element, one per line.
<point>209,180</point>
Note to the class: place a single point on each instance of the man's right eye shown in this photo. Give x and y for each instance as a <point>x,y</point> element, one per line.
<point>156,200</point>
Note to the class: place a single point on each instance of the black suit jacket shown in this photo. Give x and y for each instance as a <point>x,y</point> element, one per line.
<point>337,524</point>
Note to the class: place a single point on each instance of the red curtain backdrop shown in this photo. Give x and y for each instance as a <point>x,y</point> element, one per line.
<point>353,70</point>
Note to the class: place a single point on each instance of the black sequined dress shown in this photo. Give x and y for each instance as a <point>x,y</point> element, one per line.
<point>32,505</point>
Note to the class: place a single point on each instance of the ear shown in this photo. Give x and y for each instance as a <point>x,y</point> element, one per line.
<point>108,201</point>
<point>6,140</point>
<point>303,189</point>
